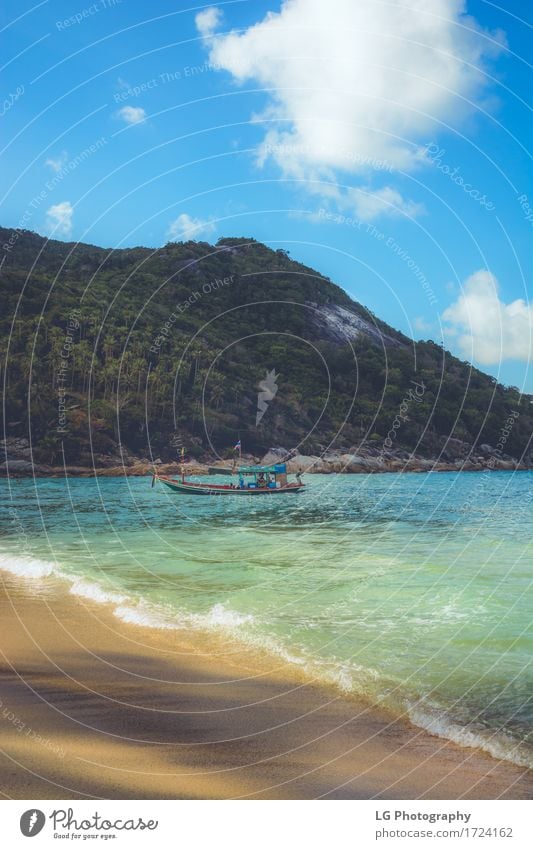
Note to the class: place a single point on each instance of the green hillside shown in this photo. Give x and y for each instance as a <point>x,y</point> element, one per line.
<point>150,349</point>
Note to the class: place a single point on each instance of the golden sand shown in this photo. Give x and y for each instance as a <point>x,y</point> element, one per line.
<point>94,707</point>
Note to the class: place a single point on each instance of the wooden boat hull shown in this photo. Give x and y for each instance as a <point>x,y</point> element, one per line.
<point>190,488</point>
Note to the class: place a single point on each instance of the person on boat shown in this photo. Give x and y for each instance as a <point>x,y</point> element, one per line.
<point>241,482</point>
<point>261,480</point>
<point>299,478</point>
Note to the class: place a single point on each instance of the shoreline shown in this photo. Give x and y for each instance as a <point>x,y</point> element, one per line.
<point>95,707</point>
<point>460,457</point>
<point>193,470</point>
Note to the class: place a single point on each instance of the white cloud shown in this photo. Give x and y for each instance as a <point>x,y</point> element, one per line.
<point>369,203</point>
<point>59,219</point>
<point>132,114</point>
<point>357,86</point>
<point>208,20</point>
<point>57,163</point>
<point>485,328</point>
<point>185,227</point>
<point>421,325</point>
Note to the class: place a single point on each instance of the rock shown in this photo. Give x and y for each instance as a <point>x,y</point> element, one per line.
<point>303,463</point>
<point>15,442</point>
<point>105,462</point>
<point>427,464</point>
<point>505,465</point>
<point>413,464</point>
<point>274,455</point>
<point>396,465</point>
<point>79,472</point>
<point>469,465</point>
<point>356,463</point>
<point>454,449</point>
<point>138,469</point>
<point>18,465</point>
<point>337,324</point>
<point>367,451</point>
<point>16,448</point>
<point>246,460</point>
<point>330,464</point>
<point>22,467</point>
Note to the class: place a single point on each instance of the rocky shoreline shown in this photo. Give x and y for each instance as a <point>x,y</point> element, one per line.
<point>456,456</point>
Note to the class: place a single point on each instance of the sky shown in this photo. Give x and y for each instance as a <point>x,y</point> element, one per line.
<point>383,143</point>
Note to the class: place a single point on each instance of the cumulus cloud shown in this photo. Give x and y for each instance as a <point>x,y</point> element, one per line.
<point>185,227</point>
<point>59,219</point>
<point>132,114</point>
<point>355,83</point>
<point>208,20</point>
<point>58,162</point>
<point>486,329</point>
<point>369,203</point>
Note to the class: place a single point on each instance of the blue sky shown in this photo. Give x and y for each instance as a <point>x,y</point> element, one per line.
<point>383,143</point>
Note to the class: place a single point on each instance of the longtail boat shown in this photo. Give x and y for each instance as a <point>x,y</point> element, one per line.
<point>252,480</point>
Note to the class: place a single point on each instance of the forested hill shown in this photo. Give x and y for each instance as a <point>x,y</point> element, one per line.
<point>196,344</point>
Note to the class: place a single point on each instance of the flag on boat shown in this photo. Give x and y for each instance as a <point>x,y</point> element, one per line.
<point>237,446</point>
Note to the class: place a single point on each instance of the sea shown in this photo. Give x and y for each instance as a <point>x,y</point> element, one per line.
<point>412,591</point>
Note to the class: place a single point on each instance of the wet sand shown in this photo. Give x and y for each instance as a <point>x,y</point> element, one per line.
<point>94,707</point>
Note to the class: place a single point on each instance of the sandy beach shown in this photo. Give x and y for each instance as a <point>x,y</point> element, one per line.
<point>96,708</point>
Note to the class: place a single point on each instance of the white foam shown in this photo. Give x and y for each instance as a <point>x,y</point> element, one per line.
<point>264,642</point>
<point>220,616</point>
<point>94,592</point>
<point>26,567</point>
<point>347,677</point>
<point>498,744</point>
<point>146,616</point>
<point>149,615</point>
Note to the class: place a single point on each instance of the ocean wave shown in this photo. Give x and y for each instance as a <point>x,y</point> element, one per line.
<point>27,567</point>
<point>147,616</point>
<point>152,615</point>
<point>32,568</point>
<point>248,630</point>
<point>95,592</point>
<point>219,616</point>
<point>438,722</point>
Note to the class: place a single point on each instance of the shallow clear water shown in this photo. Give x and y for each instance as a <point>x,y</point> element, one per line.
<point>413,590</point>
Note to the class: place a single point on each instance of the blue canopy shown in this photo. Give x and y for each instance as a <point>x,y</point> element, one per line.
<point>277,469</point>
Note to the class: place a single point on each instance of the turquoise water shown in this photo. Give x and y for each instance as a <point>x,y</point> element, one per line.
<point>412,590</point>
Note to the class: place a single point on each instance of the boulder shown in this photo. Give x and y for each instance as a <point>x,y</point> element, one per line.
<point>16,448</point>
<point>332,463</point>
<point>455,449</point>
<point>356,463</point>
<point>19,466</point>
<point>303,463</point>
<point>274,455</point>
<point>22,467</point>
<point>505,465</point>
